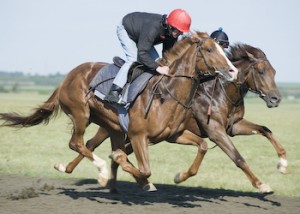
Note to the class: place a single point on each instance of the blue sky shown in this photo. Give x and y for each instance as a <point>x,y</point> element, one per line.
<point>42,37</point>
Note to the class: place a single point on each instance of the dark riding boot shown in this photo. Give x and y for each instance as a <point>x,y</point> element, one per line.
<point>114,94</point>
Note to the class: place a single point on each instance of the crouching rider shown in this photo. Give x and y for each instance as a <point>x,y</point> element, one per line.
<point>138,33</point>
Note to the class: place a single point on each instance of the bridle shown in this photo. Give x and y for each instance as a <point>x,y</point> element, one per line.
<point>240,87</point>
<point>196,80</point>
<point>250,71</point>
<point>200,55</point>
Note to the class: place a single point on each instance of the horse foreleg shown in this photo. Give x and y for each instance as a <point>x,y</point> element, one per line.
<point>223,141</point>
<point>144,183</point>
<point>244,127</point>
<point>141,174</point>
<point>188,138</point>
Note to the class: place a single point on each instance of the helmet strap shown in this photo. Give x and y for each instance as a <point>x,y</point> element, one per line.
<point>164,23</point>
<point>166,26</point>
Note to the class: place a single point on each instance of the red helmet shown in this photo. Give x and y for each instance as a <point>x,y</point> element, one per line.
<point>180,19</point>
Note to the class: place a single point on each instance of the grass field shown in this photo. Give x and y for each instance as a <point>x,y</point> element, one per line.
<point>33,151</point>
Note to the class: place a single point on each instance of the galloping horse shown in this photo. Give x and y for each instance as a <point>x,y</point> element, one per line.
<point>226,101</point>
<point>219,112</point>
<point>188,60</point>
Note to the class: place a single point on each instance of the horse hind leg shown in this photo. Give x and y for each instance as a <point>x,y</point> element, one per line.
<point>91,145</point>
<point>282,163</point>
<point>244,127</point>
<point>76,144</point>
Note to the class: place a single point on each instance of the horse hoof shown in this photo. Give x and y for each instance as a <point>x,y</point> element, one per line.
<point>177,178</point>
<point>282,169</point>
<point>149,188</point>
<point>102,181</point>
<point>60,167</point>
<point>282,166</point>
<point>265,188</point>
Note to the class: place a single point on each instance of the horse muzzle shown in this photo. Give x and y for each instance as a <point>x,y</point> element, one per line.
<point>230,76</point>
<point>272,100</point>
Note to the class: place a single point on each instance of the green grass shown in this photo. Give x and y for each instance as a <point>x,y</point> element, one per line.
<point>33,151</point>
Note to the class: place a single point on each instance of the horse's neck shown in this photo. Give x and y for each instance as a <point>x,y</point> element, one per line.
<point>183,83</point>
<point>185,64</point>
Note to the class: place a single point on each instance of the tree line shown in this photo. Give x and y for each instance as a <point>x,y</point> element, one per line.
<point>19,81</point>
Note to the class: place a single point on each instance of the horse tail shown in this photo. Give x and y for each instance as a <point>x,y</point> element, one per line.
<point>42,114</point>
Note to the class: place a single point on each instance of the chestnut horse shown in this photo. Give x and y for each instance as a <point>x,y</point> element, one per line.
<point>188,60</point>
<point>226,101</point>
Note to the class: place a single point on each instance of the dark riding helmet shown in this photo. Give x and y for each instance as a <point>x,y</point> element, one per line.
<point>221,37</point>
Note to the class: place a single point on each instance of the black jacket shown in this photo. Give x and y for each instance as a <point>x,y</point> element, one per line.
<point>146,30</point>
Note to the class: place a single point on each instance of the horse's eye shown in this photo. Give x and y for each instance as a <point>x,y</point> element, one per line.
<point>261,72</point>
<point>209,50</point>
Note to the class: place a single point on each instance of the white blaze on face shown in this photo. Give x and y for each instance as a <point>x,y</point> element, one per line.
<point>233,69</point>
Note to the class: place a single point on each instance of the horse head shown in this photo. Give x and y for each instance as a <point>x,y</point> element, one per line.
<point>212,59</point>
<point>256,72</point>
<point>200,55</point>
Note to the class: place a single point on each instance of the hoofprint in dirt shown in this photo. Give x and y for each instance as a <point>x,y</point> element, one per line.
<point>19,194</point>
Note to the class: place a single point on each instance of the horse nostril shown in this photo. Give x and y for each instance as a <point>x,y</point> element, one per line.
<point>275,99</point>
<point>233,72</point>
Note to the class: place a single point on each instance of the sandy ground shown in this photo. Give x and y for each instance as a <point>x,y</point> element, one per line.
<point>19,194</point>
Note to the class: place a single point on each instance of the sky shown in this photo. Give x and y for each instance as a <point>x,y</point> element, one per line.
<point>45,37</point>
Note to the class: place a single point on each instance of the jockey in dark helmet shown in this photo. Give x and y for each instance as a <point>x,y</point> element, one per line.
<point>221,38</point>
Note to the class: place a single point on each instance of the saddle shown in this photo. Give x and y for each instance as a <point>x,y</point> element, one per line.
<point>135,70</point>
<point>138,77</point>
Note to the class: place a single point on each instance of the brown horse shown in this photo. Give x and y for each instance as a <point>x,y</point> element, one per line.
<point>226,118</point>
<point>167,117</point>
<point>225,101</point>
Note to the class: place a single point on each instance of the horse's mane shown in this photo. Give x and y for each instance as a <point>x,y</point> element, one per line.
<point>181,46</point>
<point>239,51</point>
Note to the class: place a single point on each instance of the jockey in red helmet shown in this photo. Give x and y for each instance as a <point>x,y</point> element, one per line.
<point>138,33</point>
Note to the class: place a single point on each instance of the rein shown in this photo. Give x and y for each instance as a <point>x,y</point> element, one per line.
<point>240,85</point>
<point>188,104</point>
<point>195,83</point>
<point>196,80</point>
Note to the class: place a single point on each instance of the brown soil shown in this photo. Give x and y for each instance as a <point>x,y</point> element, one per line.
<point>19,194</point>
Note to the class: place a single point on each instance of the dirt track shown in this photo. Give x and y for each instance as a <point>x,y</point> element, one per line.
<point>20,194</point>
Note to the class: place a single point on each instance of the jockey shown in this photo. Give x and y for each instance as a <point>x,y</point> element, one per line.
<point>221,38</point>
<point>138,33</point>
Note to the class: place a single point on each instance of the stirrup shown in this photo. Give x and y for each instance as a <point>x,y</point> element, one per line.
<point>112,97</point>
<point>115,95</point>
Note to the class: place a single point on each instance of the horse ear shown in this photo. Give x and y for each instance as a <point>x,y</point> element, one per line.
<point>250,56</point>
<point>195,38</point>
